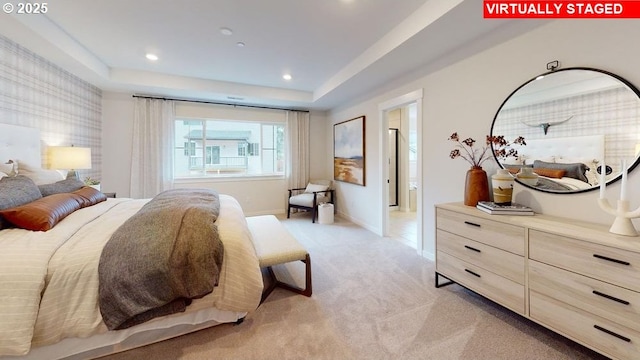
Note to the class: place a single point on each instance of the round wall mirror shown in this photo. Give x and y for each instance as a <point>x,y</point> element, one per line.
<point>573,121</point>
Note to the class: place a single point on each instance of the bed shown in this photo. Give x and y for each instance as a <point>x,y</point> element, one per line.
<point>563,164</point>
<point>49,294</point>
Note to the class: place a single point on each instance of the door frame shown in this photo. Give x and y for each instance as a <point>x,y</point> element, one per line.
<point>397,173</point>
<point>411,97</point>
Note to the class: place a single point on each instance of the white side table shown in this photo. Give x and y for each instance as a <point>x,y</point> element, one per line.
<point>325,213</point>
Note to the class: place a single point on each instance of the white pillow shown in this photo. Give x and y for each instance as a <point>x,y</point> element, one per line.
<point>315,187</point>
<point>38,175</point>
<point>10,168</point>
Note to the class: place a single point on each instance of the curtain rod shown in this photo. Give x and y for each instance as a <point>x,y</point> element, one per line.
<point>218,103</point>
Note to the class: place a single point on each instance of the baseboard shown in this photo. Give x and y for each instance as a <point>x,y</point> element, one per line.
<point>429,255</point>
<point>359,222</point>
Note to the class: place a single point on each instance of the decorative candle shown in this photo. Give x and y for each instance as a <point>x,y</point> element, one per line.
<point>623,186</point>
<point>603,181</point>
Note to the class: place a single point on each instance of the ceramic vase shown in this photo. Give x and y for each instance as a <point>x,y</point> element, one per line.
<point>476,186</point>
<point>502,183</point>
<point>527,176</point>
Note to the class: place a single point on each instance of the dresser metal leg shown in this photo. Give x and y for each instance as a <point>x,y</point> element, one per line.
<point>439,285</point>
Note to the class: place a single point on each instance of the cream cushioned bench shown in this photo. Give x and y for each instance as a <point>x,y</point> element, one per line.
<point>275,245</point>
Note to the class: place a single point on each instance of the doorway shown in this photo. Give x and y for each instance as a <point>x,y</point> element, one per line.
<point>403,221</point>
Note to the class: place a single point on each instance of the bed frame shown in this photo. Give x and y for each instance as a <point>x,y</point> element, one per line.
<point>24,144</point>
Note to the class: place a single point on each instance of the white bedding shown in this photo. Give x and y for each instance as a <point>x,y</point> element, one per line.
<point>62,265</point>
<point>573,184</point>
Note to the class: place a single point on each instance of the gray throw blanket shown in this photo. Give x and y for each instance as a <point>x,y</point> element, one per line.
<point>548,184</point>
<point>166,254</point>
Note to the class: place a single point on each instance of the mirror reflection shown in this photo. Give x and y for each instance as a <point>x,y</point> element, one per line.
<point>572,120</point>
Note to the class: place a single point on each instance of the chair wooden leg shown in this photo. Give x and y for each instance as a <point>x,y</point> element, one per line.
<point>288,211</point>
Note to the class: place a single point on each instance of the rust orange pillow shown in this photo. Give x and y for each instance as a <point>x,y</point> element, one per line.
<point>89,196</point>
<point>551,173</point>
<point>42,214</point>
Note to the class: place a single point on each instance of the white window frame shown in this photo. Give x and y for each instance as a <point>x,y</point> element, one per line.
<point>208,176</point>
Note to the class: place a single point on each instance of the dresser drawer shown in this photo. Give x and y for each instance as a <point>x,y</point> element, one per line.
<point>500,262</point>
<point>600,334</point>
<point>494,287</point>
<point>503,236</point>
<point>600,262</point>
<point>605,300</point>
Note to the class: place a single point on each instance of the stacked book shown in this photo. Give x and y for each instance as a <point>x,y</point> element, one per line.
<point>499,209</point>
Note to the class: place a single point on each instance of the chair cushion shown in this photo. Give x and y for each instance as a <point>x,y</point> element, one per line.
<point>306,199</point>
<point>315,187</point>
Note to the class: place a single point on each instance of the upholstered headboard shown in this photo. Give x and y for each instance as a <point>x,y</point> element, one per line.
<point>21,143</point>
<point>578,147</point>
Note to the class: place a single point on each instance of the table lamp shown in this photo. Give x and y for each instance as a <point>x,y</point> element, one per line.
<point>70,158</point>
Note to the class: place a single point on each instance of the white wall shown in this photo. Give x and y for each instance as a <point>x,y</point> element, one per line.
<point>117,131</point>
<point>257,196</point>
<point>465,96</point>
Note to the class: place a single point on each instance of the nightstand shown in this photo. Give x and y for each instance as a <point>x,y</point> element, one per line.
<point>110,194</point>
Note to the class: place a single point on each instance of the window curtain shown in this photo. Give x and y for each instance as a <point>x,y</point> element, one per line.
<point>297,168</point>
<point>153,145</point>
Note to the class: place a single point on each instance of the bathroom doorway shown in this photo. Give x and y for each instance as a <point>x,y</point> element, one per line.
<point>401,220</point>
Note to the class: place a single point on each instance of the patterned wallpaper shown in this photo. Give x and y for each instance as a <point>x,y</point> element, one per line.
<point>36,93</point>
<point>614,113</point>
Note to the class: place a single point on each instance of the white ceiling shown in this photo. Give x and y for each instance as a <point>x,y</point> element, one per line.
<point>336,50</point>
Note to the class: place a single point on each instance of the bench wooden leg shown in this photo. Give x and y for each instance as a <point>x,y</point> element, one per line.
<point>307,291</point>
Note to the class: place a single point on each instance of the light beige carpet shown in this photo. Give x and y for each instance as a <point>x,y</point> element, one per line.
<point>374,298</point>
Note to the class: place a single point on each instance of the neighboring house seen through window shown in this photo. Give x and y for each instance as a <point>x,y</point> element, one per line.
<point>228,147</point>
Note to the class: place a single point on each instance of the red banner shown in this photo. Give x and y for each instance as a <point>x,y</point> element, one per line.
<point>501,9</point>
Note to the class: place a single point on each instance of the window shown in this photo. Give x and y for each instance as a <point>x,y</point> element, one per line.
<point>254,149</point>
<point>189,148</point>
<point>228,147</point>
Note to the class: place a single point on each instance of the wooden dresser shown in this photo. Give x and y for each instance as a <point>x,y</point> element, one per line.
<point>572,277</point>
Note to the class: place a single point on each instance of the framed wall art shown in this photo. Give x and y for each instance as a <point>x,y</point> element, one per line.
<point>348,151</point>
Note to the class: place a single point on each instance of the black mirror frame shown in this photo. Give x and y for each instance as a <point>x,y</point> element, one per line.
<point>612,181</point>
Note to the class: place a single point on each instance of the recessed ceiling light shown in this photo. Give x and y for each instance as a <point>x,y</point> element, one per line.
<point>226,31</point>
<point>240,44</point>
<point>152,57</point>
<point>287,76</point>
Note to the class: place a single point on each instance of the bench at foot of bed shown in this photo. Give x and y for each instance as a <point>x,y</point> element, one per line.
<point>274,246</point>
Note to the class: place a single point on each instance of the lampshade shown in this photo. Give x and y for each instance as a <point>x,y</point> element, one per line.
<point>69,157</point>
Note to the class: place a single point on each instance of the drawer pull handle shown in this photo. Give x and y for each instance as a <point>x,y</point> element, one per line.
<point>612,333</point>
<point>610,297</point>
<point>472,248</point>
<point>610,259</point>
<point>472,224</point>
<point>472,273</point>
